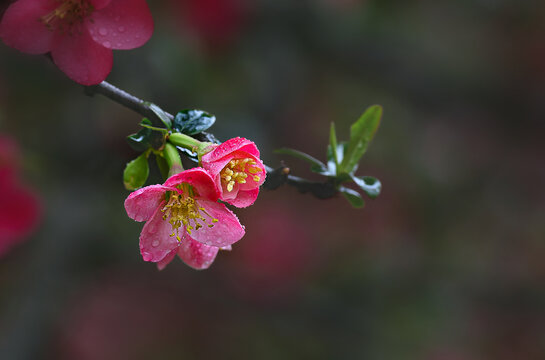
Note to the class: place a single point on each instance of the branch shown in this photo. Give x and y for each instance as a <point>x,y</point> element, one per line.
<point>275,177</point>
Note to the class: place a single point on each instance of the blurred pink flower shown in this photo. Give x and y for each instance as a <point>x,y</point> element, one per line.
<point>80,34</point>
<point>19,206</point>
<point>237,171</point>
<point>183,217</point>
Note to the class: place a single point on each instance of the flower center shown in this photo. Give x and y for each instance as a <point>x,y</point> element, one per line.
<point>67,14</point>
<point>183,210</point>
<point>236,171</point>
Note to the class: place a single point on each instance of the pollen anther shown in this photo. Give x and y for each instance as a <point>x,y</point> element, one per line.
<point>68,13</point>
<point>237,170</point>
<point>182,211</point>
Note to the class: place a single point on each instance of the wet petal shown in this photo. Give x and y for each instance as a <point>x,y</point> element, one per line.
<point>167,259</point>
<point>198,256</point>
<point>244,198</point>
<point>155,240</point>
<point>199,179</point>
<point>123,24</point>
<point>82,59</point>
<point>226,231</point>
<point>142,203</point>
<point>230,146</point>
<point>22,28</point>
<point>215,167</point>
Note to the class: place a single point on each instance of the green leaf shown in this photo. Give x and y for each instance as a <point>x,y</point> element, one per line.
<point>191,122</point>
<point>331,161</point>
<point>136,172</point>
<point>332,166</point>
<point>369,184</point>
<point>161,115</point>
<point>353,197</point>
<point>317,165</point>
<point>361,133</point>
<point>333,143</point>
<point>141,141</point>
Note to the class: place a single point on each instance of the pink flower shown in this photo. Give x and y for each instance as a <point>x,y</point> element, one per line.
<point>183,217</point>
<point>237,171</point>
<point>19,207</point>
<point>80,34</point>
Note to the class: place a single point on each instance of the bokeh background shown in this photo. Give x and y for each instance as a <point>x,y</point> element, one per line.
<point>447,264</point>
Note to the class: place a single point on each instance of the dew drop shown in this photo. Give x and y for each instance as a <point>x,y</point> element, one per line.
<point>117,18</point>
<point>119,44</point>
<point>114,34</point>
<point>106,44</point>
<point>121,28</point>
<point>102,31</point>
<point>155,243</point>
<point>91,31</point>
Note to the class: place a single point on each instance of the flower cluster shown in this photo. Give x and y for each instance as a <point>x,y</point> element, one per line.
<point>183,215</point>
<point>79,34</point>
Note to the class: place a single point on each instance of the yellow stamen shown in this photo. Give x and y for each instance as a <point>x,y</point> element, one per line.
<point>183,211</point>
<point>67,14</point>
<point>237,170</point>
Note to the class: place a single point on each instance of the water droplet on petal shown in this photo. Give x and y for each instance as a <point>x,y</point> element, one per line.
<point>155,243</point>
<point>137,36</point>
<point>114,33</point>
<point>117,18</point>
<point>102,31</point>
<point>119,44</point>
<point>106,44</point>
<point>121,28</point>
<point>91,31</point>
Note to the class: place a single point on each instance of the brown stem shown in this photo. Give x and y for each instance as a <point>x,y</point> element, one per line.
<point>275,177</point>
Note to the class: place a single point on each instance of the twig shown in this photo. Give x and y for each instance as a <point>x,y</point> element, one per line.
<point>275,177</point>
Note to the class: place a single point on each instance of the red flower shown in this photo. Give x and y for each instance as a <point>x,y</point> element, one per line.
<point>19,207</point>
<point>237,171</point>
<point>80,34</point>
<point>183,217</point>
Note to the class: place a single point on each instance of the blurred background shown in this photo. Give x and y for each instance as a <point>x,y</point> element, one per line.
<point>446,264</point>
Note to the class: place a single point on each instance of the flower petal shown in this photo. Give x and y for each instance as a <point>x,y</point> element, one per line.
<point>195,254</point>
<point>224,232</point>
<point>123,24</point>
<point>199,179</point>
<point>22,28</point>
<point>167,259</point>
<point>229,146</point>
<point>142,203</point>
<point>216,166</point>
<point>82,59</point>
<point>244,198</point>
<point>155,240</point>
<point>250,183</point>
